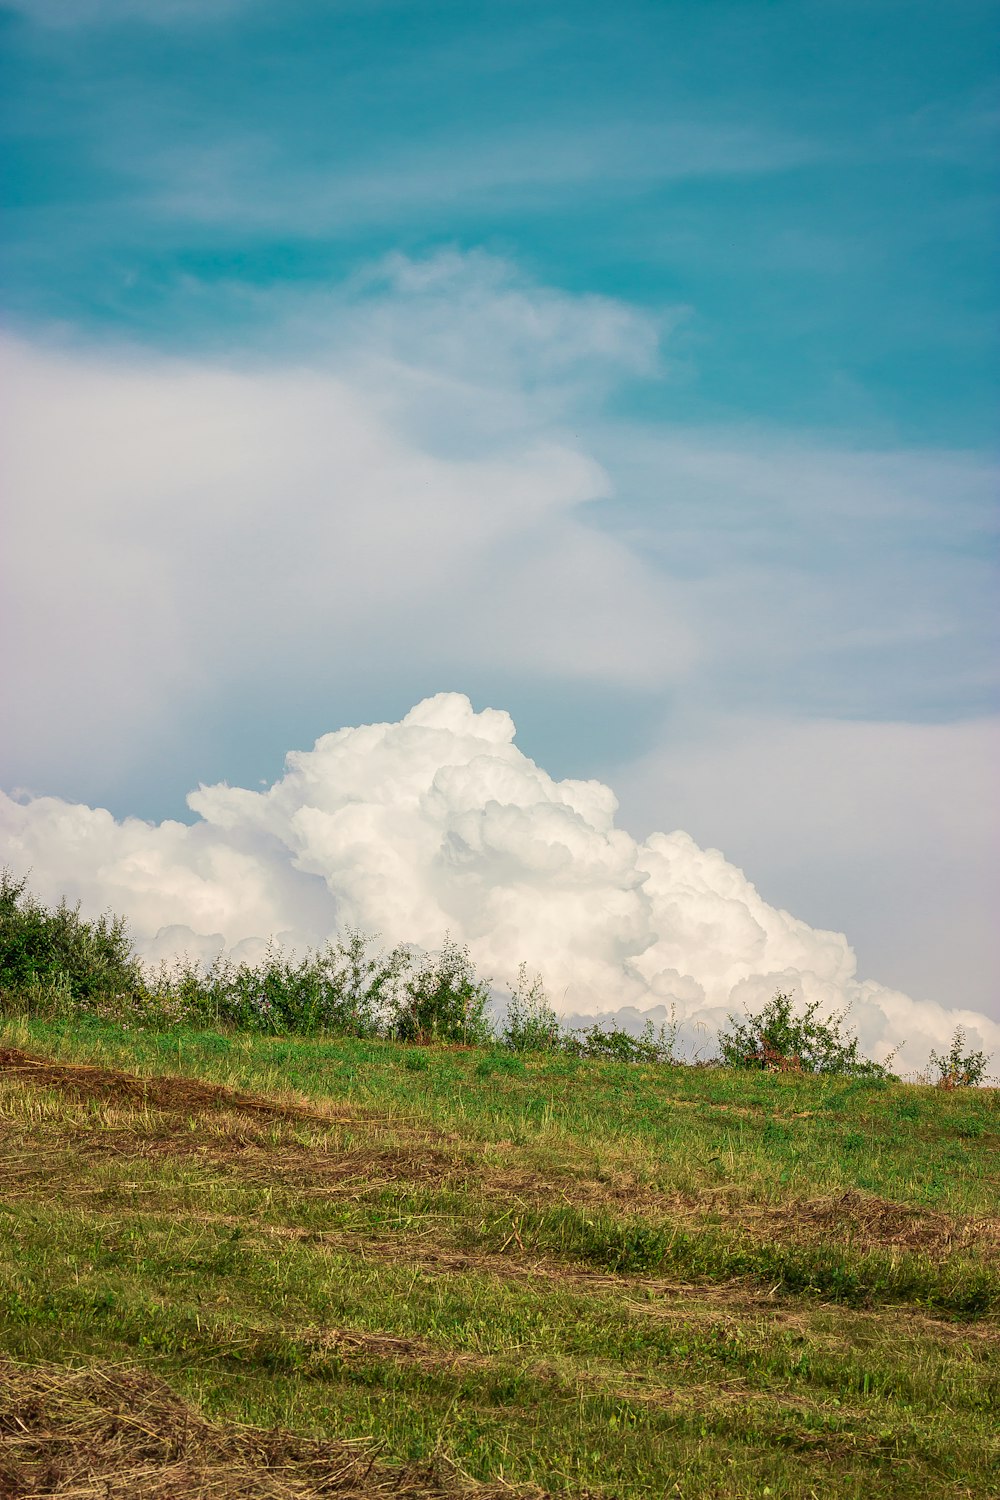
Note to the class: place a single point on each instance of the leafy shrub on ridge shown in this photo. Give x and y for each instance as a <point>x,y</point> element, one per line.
<point>957,1069</point>
<point>344,990</point>
<point>778,1040</point>
<point>443,1000</point>
<point>59,956</point>
<point>530,1025</point>
<point>616,1045</point>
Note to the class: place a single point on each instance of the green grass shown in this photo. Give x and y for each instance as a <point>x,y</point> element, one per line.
<point>588,1276</point>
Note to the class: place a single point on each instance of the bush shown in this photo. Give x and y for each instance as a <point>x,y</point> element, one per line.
<point>612,1043</point>
<point>59,958</point>
<point>347,989</point>
<point>363,983</point>
<point>530,1025</point>
<point>55,963</point>
<point>443,1000</point>
<point>957,1069</point>
<point>778,1040</point>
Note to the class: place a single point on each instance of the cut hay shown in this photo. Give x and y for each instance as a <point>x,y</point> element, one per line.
<point>159,1091</point>
<point>120,1433</point>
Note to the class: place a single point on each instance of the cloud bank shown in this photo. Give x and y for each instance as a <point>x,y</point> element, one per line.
<point>439,823</point>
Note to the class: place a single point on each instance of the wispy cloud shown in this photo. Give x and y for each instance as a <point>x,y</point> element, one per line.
<point>423,422</point>
<point>252,182</point>
<point>197,519</point>
<point>861,579</point>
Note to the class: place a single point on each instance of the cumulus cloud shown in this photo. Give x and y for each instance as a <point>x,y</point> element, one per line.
<point>439,823</point>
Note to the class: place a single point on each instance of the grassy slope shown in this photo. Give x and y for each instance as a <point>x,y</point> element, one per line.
<point>587,1276</point>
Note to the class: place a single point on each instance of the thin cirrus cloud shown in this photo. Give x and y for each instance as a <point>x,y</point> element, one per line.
<point>862,580</point>
<point>439,823</point>
<point>249,181</point>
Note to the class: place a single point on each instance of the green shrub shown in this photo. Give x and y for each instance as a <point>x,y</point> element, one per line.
<point>778,1040</point>
<point>530,1025</point>
<point>615,1045</point>
<point>56,956</point>
<point>363,983</point>
<point>54,963</point>
<point>443,1000</point>
<point>957,1069</point>
<point>347,989</point>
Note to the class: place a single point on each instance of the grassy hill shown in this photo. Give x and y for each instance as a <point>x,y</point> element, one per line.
<point>248,1265</point>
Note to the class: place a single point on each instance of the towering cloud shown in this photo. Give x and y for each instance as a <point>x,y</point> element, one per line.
<point>440,824</point>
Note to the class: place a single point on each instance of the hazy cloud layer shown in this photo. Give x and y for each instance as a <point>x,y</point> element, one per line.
<point>191,525</point>
<point>439,824</point>
<point>616,365</point>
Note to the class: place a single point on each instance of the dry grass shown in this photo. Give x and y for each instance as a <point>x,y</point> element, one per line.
<point>119,1433</point>
<point>178,1094</point>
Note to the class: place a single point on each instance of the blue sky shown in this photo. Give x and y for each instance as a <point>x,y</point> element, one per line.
<point>811,182</point>
<point>721,275</point>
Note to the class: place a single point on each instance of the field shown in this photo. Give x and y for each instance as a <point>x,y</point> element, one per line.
<point>242,1265</point>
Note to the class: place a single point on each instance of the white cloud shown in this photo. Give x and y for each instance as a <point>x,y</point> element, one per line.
<point>439,823</point>
<point>176,525</point>
<point>198,550</point>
